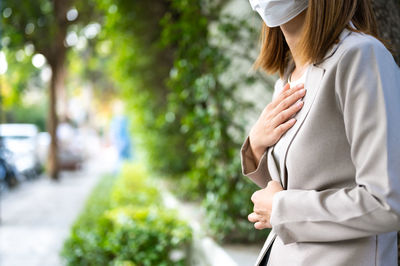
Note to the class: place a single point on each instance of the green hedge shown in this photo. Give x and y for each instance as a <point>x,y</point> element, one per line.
<point>125,223</point>
<point>176,64</point>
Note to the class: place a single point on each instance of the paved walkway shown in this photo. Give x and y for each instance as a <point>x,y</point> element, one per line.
<point>243,255</point>
<point>36,217</point>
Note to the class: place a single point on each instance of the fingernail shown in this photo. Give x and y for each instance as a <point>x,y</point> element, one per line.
<point>300,85</point>
<point>300,103</point>
<point>302,91</point>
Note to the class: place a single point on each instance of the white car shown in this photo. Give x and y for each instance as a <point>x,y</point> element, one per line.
<point>21,141</point>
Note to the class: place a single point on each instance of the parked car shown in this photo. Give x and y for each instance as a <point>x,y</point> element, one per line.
<point>71,154</point>
<point>21,141</point>
<point>9,177</point>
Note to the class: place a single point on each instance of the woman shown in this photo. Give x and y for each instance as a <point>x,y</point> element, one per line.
<point>326,153</point>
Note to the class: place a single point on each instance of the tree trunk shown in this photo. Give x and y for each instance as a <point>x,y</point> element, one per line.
<point>56,59</point>
<point>52,126</point>
<point>62,97</point>
<point>388,16</point>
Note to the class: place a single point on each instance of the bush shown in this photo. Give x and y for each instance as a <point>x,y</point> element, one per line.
<point>125,223</point>
<point>32,114</point>
<point>205,95</point>
<point>181,74</point>
<point>134,188</point>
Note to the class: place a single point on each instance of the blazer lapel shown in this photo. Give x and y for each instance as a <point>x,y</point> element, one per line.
<point>311,85</point>
<point>272,167</point>
<point>267,244</point>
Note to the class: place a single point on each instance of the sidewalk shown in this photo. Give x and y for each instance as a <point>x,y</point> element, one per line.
<point>36,217</point>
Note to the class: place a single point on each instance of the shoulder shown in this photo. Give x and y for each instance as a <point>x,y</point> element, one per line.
<point>363,65</point>
<point>361,55</point>
<point>363,46</point>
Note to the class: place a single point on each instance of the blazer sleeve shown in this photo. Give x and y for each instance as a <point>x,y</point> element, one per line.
<point>368,93</point>
<point>259,174</point>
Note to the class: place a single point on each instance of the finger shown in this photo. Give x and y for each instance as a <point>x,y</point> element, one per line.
<point>267,225</point>
<point>282,128</point>
<point>274,185</point>
<point>253,217</point>
<point>285,115</point>
<point>254,196</point>
<point>286,87</point>
<point>289,101</point>
<point>286,93</point>
<point>262,225</point>
<point>258,211</point>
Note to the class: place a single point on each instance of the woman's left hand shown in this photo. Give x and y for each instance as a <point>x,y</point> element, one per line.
<point>262,200</point>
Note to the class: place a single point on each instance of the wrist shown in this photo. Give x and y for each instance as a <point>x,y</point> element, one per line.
<point>257,151</point>
<point>275,217</point>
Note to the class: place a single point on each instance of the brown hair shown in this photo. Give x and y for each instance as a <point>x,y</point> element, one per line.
<point>325,20</point>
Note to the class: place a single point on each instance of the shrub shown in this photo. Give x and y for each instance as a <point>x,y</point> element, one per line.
<point>125,223</point>
<point>134,188</point>
<point>182,75</point>
<point>206,97</point>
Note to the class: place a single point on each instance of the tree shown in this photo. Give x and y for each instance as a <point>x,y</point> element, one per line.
<point>186,109</point>
<point>43,25</point>
<point>388,16</point>
<point>132,30</point>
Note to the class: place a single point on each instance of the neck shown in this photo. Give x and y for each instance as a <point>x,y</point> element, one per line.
<point>292,31</point>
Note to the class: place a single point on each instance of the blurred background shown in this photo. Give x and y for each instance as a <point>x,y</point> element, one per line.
<point>120,129</point>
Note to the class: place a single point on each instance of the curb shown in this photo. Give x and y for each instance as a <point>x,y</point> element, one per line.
<point>204,251</point>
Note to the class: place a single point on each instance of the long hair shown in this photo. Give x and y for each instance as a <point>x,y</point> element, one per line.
<point>324,21</point>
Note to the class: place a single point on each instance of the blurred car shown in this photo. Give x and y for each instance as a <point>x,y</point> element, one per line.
<point>21,141</point>
<point>43,143</point>
<point>71,147</point>
<point>9,176</point>
<point>70,151</point>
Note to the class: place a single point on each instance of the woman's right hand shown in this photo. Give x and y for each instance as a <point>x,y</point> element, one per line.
<point>275,120</point>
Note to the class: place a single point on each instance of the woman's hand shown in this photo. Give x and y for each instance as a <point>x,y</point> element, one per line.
<point>262,200</point>
<point>275,120</point>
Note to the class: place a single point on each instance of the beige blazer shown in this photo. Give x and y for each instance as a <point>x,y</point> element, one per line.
<point>341,166</point>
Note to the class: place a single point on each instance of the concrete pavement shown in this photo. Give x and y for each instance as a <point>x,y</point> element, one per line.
<point>37,216</point>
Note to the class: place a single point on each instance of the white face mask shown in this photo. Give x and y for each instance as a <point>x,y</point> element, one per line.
<point>278,12</point>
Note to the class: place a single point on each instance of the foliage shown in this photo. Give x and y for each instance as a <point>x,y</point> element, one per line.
<point>29,28</point>
<point>31,114</point>
<point>139,67</point>
<point>176,70</point>
<point>125,223</point>
<point>134,179</point>
<point>174,64</point>
<point>20,74</point>
<point>42,25</point>
<point>39,16</point>
<point>204,96</point>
